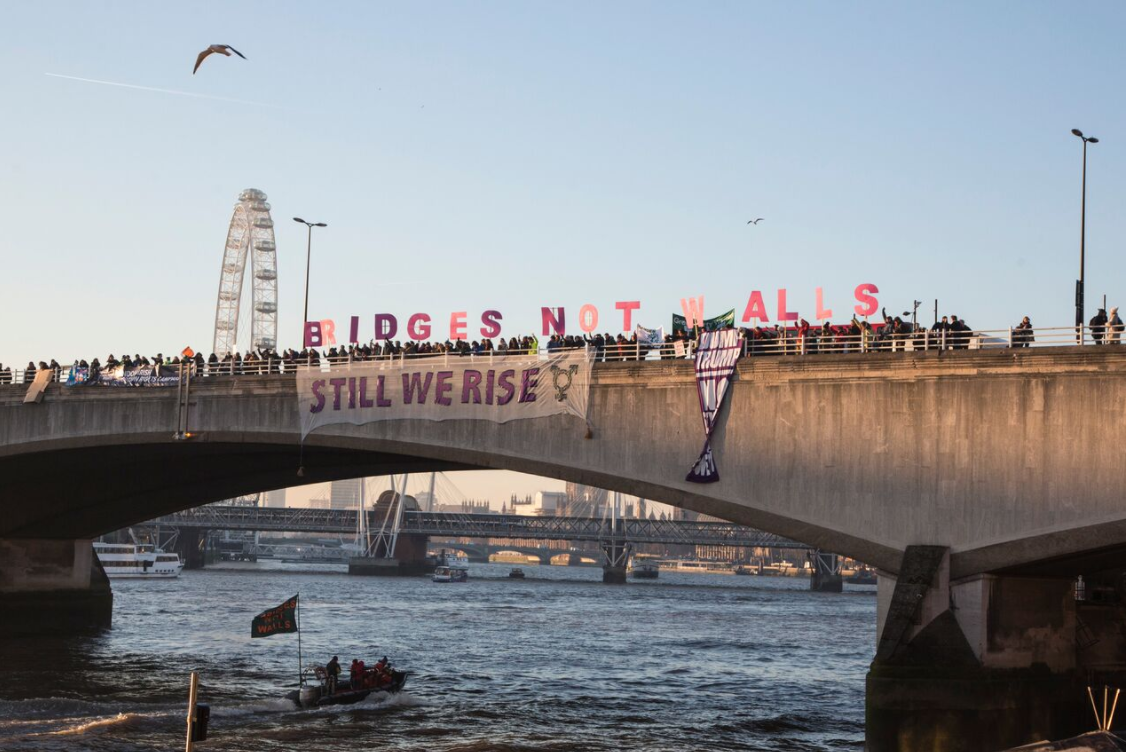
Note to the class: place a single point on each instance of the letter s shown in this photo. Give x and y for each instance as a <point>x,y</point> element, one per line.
<point>868,303</point>
<point>318,385</point>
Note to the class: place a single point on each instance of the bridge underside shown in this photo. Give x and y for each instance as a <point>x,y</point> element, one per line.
<point>103,488</point>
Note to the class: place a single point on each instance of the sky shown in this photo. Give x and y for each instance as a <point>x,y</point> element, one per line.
<point>513,155</point>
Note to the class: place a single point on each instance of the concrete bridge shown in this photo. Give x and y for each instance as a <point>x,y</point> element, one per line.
<point>980,483</point>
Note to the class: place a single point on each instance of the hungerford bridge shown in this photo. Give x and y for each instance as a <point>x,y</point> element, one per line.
<point>488,526</point>
<point>981,483</point>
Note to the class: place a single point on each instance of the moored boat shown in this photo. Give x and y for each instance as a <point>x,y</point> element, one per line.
<point>137,561</point>
<point>862,576</point>
<point>642,569</point>
<point>450,574</point>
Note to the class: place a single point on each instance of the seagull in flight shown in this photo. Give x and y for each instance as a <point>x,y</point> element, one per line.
<point>222,49</point>
<point>755,221</point>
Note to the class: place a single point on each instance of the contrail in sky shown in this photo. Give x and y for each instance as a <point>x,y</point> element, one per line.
<point>164,91</point>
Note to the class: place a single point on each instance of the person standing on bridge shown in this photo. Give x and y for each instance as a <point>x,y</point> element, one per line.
<point>1098,326</point>
<point>1022,333</point>
<point>1113,327</point>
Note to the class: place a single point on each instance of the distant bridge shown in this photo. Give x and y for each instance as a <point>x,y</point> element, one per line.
<point>343,522</point>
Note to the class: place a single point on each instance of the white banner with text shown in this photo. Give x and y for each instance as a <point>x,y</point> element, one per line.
<point>498,389</point>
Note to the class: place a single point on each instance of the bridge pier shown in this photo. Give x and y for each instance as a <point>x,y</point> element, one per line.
<point>409,559</point>
<point>615,560</point>
<point>826,574</point>
<point>52,587</point>
<point>986,662</point>
<point>191,546</point>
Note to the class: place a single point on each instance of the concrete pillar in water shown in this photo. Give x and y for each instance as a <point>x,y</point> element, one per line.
<point>825,577</point>
<point>615,556</point>
<point>409,560</point>
<point>987,662</point>
<point>52,586</point>
<point>190,544</point>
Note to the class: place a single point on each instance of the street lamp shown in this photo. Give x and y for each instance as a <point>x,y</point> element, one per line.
<point>1079,316</point>
<point>308,255</point>
<point>914,314</point>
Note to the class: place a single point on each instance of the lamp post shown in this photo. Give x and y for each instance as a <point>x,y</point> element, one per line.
<point>1079,315</point>
<point>308,256</point>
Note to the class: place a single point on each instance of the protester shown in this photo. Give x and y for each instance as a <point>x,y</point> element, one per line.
<point>1023,335</point>
<point>1098,325</point>
<point>1114,327</point>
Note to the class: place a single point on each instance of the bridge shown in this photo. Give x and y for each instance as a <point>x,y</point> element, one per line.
<point>980,482</point>
<point>514,526</point>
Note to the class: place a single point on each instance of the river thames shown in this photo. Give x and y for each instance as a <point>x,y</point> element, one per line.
<point>558,661</point>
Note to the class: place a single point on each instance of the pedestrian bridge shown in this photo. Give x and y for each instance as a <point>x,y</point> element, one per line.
<point>1008,458</point>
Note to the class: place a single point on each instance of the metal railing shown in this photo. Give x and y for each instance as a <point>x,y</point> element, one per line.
<point>758,342</point>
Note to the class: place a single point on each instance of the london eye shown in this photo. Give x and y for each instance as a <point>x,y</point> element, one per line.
<point>251,233</point>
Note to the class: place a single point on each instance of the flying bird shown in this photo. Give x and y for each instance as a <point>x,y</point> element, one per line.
<point>755,221</point>
<point>222,49</point>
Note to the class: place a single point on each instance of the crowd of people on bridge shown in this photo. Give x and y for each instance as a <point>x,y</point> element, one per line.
<point>892,333</point>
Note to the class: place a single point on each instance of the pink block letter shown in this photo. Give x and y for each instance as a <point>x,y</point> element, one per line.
<point>627,307</point>
<point>457,324</point>
<point>783,314</point>
<point>865,296</point>
<point>823,313</point>
<point>693,309</point>
<point>588,318</point>
<point>547,316</point>
<point>756,308</point>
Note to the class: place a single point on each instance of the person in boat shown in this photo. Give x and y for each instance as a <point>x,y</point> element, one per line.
<point>333,671</point>
<point>354,675</point>
<point>382,672</point>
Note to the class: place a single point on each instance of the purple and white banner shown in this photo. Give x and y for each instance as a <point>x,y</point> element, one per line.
<point>716,356</point>
<point>497,389</point>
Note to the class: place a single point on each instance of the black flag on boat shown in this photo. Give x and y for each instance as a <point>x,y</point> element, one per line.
<point>274,621</point>
<point>715,362</point>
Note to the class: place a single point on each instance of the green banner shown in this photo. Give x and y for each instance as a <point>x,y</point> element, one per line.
<point>723,321</point>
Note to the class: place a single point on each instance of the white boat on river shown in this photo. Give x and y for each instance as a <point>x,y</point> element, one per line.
<point>138,561</point>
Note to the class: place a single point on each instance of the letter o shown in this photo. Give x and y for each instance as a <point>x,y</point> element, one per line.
<point>584,312</point>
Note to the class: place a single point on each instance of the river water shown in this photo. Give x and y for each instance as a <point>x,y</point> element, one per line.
<point>558,661</point>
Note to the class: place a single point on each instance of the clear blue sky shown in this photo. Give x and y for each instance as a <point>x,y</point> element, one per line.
<point>507,155</point>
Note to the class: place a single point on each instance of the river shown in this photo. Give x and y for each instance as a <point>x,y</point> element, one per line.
<point>557,661</point>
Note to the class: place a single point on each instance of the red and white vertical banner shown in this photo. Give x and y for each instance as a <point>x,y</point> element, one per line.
<point>716,356</point>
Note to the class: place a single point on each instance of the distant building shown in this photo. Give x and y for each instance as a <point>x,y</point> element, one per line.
<point>542,504</point>
<point>345,494</point>
<point>322,502</point>
<point>469,506</point>
<point>425,501</point>
<point>275,499</point>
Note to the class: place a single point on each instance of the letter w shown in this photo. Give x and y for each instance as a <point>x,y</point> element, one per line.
<point>413,382</point>
<point>693,311</point>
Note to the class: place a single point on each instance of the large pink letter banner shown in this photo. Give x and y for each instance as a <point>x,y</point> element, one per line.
<point>715,362</point>
<point>498,389</point>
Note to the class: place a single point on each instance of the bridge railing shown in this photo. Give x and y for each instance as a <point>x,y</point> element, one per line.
<point>757,342</point>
